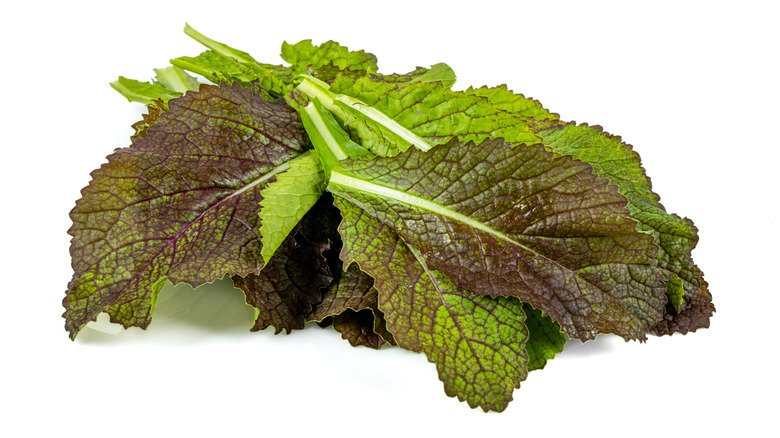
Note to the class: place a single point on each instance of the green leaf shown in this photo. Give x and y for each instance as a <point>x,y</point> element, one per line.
<point>517,221</point>
<point>527,109</point>
<point>181,203</point>
<point>430,110</point>
<point>222,49</point>
<point>616,161</point>
<point>675,291</point>
<point>440,72</point>
<point>143,92</point>
<point>287,199</point>
<point>218,69</point>
<point>330,53</point>
<point>354,112</point>
<point>545,338</point>
<point>224,64</point>
<point>476,342</point>
<point>176,79</point>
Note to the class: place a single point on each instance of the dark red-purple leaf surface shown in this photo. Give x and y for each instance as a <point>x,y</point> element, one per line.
<point>181,203</point>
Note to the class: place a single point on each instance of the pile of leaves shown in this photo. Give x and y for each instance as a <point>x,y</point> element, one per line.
<point>474,226</point>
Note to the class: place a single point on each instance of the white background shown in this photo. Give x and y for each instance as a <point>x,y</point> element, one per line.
<point>692,85</point>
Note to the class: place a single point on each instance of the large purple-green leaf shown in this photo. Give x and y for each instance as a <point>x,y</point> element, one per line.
<point>181,203</point>
<point>476,342</point>
<point>690,301</point>
<point>517,221</point>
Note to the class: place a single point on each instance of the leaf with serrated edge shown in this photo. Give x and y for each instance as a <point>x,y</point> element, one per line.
<point>352,302</point>
<point>476,342</point>
<point>181,203</point>
<point>518,221</point>
<point>287,199</point>
<point>430,110</point>
<point>527,109</point>
<point>286,290</point>
<point>142,92</point>
<point>305,53</point>
<point>218,69</point>
<point>545,338</point>
<point>616,161</point>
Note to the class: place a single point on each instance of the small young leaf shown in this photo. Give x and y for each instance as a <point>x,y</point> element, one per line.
<point>287,199</point>
<point>545,338</point>
<point>218,69</point>
<point>143,92</point>
<point>176,79</point>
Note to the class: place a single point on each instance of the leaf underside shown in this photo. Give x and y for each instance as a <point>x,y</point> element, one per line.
<point>676,237</point>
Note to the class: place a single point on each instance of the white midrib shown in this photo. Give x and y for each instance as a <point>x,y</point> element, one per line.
<point>380,118</point>
<point>364,186</point>
<point>315,88</point>
<point>324,132</point>
<point>276,170</point>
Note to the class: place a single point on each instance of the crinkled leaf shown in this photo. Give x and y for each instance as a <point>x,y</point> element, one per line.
<point>616,161</point>
<point>327,54</point>
<point>287,199</point>
<point>354,290</point>
<point>152,116</point>
<point>695,312</point>
<point>289,285</point>
<point>529,110</point>
<point>352,303</point>
<point>430,110</point>
<point>517,221</point>
<point>218,68</point>
<point>181,203</point>
<point>223,63</point>
<point>545,338</point>
<point>357,327</point>
<point>439,72</point>
<point>476,342</point>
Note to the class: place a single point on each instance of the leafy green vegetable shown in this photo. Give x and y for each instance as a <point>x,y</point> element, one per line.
<point>472,226</point>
